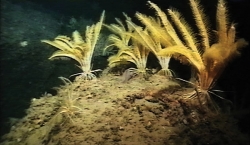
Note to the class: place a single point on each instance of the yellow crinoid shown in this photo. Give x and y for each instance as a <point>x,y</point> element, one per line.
<point>70,106</point>
<point>128,49</point>
<point>209,58</point>
<point>78,48</point>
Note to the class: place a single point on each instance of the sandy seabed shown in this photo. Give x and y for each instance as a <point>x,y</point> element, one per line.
<point>106,111</point>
